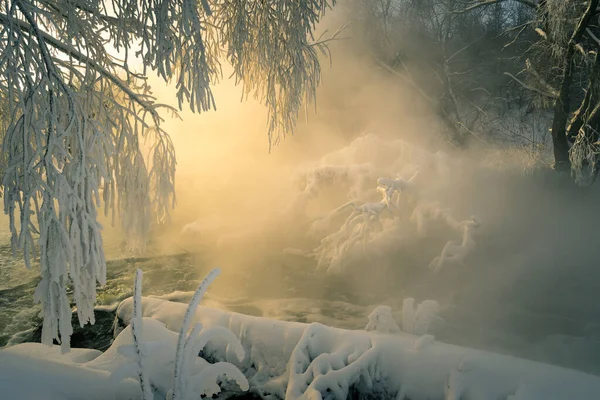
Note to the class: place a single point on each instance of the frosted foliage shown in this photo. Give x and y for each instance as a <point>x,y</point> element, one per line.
<point>359,229</point>
<point>271,52</point>
<point>79,117</point>
<point>381,320</point>
<point>455,251</point>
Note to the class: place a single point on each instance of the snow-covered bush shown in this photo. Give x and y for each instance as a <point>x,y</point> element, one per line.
<point>364,228</point>
<point>382,320</point>
<point>415,320</point>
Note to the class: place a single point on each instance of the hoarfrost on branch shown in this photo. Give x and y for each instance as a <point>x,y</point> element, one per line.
<point>80,119</point>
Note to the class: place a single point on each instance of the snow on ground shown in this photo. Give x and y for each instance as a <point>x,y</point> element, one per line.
<point>314,361</point>
<point>287,360</point>
<point>33,371</point>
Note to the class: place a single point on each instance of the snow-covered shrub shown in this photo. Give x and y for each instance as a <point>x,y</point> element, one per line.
<point>364,221</point>
<point>381,320</point>
<point>362,228</point>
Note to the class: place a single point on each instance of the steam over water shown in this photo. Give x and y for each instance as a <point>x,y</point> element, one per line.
<point>527,285</point>
<point>526,288</point>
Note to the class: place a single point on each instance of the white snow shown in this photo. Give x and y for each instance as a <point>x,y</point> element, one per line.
<point>304,361</point>
<point>286,360</point>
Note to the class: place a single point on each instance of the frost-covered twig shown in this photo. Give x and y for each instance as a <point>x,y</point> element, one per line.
<point>188,346</point>
<point>584,156</point>
<point>381,320</point>
<point>593,37</point>
<point>182,341</point>
<point>548,94</point>
<point>484,3</point>
<point>138,338</point>
<point>418,320</point>
<point>454,251</point>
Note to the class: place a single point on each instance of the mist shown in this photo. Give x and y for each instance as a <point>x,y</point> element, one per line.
<point>526,288</point>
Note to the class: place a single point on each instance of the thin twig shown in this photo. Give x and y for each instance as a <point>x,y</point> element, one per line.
<point>528,87</point>
<point>491,2</point>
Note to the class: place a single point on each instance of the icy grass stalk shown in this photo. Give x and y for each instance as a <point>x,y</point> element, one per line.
<point>137,332</point>
<point>187,386</point>
<point>184,342</point>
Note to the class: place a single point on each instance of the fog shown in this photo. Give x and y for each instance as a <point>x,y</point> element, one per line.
<point>526,288</point>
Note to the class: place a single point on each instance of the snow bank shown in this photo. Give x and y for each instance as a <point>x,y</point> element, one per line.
<point>284,360</point>
<point>34,371</point>
<point>300,361</point>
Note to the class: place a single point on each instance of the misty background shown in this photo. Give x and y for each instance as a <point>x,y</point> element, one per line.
<point>528,287</point>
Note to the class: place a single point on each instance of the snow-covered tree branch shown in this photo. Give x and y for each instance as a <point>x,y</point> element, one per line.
<point>78,115</point>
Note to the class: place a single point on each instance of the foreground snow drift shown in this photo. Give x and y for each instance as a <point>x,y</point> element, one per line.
<point>33,371</point>
<point>289,360</point>
<point>295,360</point>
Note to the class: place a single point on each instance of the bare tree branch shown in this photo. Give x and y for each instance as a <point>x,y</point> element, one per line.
<point>592,36</point>
<point>531,88</point>
<point>486,3</point>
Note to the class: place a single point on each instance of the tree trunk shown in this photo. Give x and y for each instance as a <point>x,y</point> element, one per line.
<point>561,116</point>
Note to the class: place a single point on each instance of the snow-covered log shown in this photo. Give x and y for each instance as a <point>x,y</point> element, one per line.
<point>315,361</point>
<point>288,360</point>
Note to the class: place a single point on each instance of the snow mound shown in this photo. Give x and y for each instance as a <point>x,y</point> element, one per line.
<point>284,360</point>
<point>301,361</point>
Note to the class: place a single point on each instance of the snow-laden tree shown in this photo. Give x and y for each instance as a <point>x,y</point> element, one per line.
<point>83,129</point>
